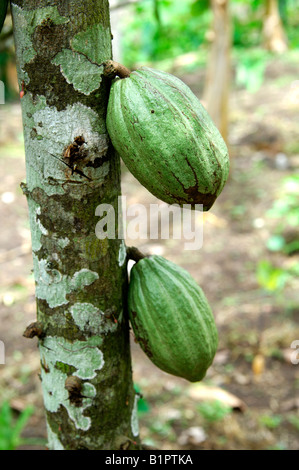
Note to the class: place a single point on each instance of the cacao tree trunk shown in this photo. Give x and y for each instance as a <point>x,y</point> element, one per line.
<point>71,168</point>
<point>216,92</point>
<point>274,36</point>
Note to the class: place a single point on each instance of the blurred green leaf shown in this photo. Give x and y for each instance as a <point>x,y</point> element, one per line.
<point>143,406</point>
<point>294,420</point>
<point>278,446</point>
<point>250,72</point>
<point>199,6</point>
<point>162,428</point>
<point>10,428</point>
<point>286,209</point>
<point>161,29</point>
<point>291,248</point>
<point>270,421</point>
<point>271,278</point>
<point>294,269</point>
<point>156,30</point>
<point>214,410</point>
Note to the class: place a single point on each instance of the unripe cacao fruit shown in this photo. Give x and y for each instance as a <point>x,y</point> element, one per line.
<point>166,138</point>
<point>171,318</point>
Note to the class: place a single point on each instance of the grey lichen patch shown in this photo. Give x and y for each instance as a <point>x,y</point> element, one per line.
<point>83,278</point>
<point>56,131</point>
<point>96,177</point>
<point>87,315</point>
<point>35,159</point>
<point>29,108</point>
<point>100,39</point>
<point>53,286</point>
<point>63,242</point>
<point>92,320</point>
<point>25,22</point>
<point>76,413</point>
<point>22,21</point>
<point>53,440</point>
<point>86,357</point>
<point>60,128</point>
<point>42,229</point>
<point>37,228</point>
<point>79,71</point>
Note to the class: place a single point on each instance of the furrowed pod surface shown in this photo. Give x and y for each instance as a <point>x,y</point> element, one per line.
<point>166,138</point>
<point>171,318</point>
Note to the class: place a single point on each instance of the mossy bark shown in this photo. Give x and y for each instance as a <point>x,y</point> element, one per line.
<point>71,168</point>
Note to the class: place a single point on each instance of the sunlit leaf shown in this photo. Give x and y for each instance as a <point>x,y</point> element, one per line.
<point>269,277</point>
<point>10,428</point>
<point>292,247</point>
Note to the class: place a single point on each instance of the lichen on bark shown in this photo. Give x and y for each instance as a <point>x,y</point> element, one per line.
<point>71,168</point>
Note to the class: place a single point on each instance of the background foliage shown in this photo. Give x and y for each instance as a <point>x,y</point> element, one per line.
<point>163,29</point>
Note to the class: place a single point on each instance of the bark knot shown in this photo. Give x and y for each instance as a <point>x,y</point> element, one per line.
<point>34,329</point>
<point>74,387</point>
<point>76,156</point>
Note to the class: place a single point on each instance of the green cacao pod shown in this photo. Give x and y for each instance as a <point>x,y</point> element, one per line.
<point>171,318</point>
<point>3,10</point>
<point>166,138</point>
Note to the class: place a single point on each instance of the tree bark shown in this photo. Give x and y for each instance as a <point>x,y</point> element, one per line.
<point>274,36</point>
<point>216,92</point>
<point>71,168</point>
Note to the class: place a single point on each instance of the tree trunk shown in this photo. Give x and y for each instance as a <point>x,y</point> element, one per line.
<point>216,93</point>
<point>71,168</point>
<point>274,36</point>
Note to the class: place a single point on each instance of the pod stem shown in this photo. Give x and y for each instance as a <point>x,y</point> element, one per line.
<point>134,254</point>
<point>113,69</point>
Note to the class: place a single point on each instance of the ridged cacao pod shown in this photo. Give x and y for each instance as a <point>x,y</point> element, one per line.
<point>166,138</point>
<point>171,318</point>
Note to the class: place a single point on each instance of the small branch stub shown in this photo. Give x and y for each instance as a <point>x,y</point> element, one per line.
<point>123,443</point>
<point>113,69</point>
<point>24,188</point>
<point>134,254</point>
<point>34,329</point>
<point>74,387</point>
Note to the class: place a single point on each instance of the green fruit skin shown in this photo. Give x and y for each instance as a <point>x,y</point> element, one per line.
<point>166,138</point>
<point>171,318</point>
<point>3,10</point>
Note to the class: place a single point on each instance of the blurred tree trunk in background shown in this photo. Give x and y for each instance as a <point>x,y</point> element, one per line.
<point>275,39</point>
<point>81,280</point>
<point>216,92</point>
